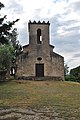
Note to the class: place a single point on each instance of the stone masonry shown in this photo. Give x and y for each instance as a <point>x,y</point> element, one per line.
<point>38,59</point>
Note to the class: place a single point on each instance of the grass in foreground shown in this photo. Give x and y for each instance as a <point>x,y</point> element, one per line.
<point>64,97</point>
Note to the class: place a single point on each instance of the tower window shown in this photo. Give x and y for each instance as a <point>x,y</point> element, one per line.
<point>39,37</point>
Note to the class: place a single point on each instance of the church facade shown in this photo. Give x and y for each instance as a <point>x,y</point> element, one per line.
<point>38,59</point>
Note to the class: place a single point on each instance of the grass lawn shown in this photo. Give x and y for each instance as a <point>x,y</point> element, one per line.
<point>64,97</point>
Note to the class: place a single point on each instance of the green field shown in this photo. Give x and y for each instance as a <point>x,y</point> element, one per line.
<point>64,97</point>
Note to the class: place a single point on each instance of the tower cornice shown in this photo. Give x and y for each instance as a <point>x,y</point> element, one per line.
<point>39,22</point>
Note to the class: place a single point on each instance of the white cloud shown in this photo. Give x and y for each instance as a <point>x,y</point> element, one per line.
<point>64,16</point>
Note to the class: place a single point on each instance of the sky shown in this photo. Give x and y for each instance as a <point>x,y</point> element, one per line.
<point>64,18</point>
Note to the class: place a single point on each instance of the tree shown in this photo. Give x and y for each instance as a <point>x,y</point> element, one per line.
<point>14,42</point>
<point>76,73</point>
<point>6,56</point>
<point>9,47</point>
<point>1,5</point>
<point>66,69</point>
<point>5,28</point>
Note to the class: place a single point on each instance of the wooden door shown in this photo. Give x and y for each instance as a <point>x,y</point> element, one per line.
<point>39,70</point>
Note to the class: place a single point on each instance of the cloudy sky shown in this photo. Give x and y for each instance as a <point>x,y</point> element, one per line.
<point>64,18</point>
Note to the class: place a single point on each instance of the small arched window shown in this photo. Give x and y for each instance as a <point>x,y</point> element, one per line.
<point>39,37</point>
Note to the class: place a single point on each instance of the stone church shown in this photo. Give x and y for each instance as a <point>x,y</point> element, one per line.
<point>38,59</point>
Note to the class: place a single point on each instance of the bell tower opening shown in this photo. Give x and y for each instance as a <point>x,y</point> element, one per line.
<point>39,37</point>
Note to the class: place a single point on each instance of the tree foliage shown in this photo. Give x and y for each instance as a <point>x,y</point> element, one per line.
<point>5,28</point>
<point>14,42</point>
<point>9,46</point>
<point>6,56</point>
<point>66,69</point>
<point>1,5</point>
<point>76,73</point>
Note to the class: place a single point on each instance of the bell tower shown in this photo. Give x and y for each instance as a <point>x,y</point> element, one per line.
<point>38,33</point>
<point>39,37</point>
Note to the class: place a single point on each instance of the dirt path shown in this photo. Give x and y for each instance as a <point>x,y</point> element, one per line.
<point>29,114</point>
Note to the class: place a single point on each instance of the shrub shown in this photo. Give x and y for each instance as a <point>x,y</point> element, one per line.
<point>70,78</point>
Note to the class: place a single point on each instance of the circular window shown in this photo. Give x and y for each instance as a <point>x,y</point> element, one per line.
<point>39,58</point>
